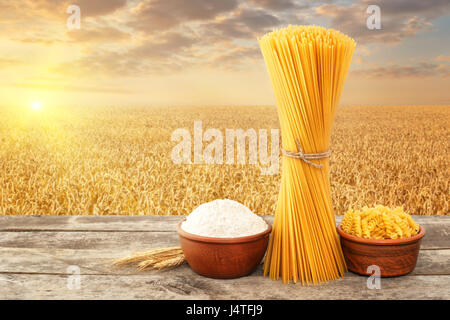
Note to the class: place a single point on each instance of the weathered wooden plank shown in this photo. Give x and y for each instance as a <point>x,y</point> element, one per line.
<point>94,261</point>
<point>133,223</point>
<point>89,223</point>
<point>438,227</point>
<point>87,240</point>
<point>33,264</point>
<point>191,286</point>
<point>436,238</point>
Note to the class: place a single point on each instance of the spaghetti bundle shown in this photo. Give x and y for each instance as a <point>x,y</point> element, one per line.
<point>307,66</point>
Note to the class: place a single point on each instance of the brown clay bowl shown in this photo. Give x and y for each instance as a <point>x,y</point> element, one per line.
<point>394,257</point>
<point>223,258</point>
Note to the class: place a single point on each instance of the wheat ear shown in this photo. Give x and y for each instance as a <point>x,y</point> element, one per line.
<point>159,259</point>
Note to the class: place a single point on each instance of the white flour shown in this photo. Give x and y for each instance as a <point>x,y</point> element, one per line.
<point>223,219</point>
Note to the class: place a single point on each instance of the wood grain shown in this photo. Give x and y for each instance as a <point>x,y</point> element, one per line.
<point>98,262</point>
<point>137,223</point>
<point>35,253</point>
<point>191,286</point>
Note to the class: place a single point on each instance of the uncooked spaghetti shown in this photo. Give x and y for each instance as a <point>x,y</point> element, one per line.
<point>307,66</point>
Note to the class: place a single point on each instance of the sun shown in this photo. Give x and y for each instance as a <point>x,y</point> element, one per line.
<point>36,105</point>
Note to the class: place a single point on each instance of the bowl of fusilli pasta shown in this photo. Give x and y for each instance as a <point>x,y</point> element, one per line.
<point>380,239</point>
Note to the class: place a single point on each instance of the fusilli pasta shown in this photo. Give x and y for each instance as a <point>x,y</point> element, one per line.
<point>379,222</point>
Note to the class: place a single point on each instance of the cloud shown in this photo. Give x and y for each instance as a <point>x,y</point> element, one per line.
<point>37,40</point>
<point>236,58</point>
<point>256,20</point>
<point>209,44</point>
<point>88,34</point>
<point>88,8</point>
<point>169,35</point>
<point>6,62</point>
<point>34,9</point>
<point>275,4</point>
<point>169,51</point>
<point>399,19</point>
<point>100,64</point>
<point>98,34</point>
<point>443,58</point>
<point>425,8</point>
<point>70,87</point>
<point>358,60</point>
<point>97,7</point>
<point>156,15</point>
<point>44,21</point>
<point>362,50</point>
<point>244,23</point>
<point>164,46</point>
<point>166,52</point>
<point>421,69</point>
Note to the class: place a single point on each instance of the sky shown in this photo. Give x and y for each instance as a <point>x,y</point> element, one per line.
<point>205,52</point>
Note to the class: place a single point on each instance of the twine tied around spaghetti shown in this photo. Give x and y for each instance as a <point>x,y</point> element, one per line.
<point>306,157</point>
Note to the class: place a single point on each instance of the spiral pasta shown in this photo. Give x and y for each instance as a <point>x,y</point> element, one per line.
<point>379,222</point>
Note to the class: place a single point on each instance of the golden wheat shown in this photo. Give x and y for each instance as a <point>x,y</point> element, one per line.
<point>158,259</point>
<point>116,160</point>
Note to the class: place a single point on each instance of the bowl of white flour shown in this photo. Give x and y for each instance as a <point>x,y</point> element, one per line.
<point>223,239</point>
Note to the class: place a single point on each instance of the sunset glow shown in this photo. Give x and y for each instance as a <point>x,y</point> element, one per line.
<point>166,53</point>
<point>36,105</point>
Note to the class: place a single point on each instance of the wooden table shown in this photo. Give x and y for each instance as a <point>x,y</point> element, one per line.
<point>39,255</point>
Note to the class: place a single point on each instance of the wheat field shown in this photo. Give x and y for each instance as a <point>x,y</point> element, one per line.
<point>116,160</point>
